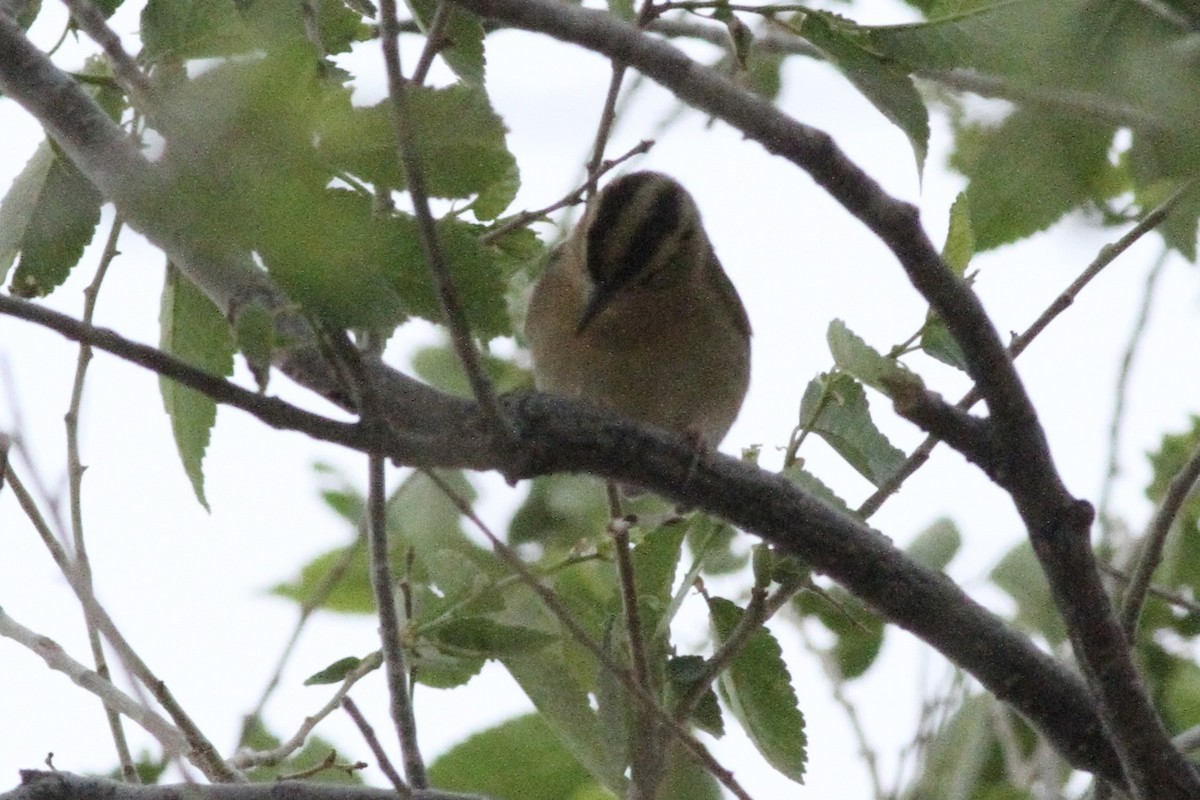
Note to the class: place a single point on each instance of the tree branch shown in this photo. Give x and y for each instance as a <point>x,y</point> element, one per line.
<point>552,435</point>
<point>40,785</point>
<point>1057,523</point>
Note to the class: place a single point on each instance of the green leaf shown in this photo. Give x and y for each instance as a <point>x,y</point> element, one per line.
<point>192,330</point>
<point>484,637</point>
<point>859,632</point>
<point>960,238</point>
<point>559,511</point>
<point>1031,170</point>
<point>835,408</point>
<point>964,758</point>
<point>460,138</point>
<point>1020,575</point>
<point>855,357</point>
<point>758,690</point>
<point>335,672</point>
<point>179,30</point>
<point>880,80</point>
<point>810,483</point>
<point>352,594</point>
<point>521,759</point>
<point>49,215</point>
<point>937,545</point>
<point>682,673</point>
<point>655,563</point>
<point>463,34</point>
<point>440,367</point>
<point>21,203</point>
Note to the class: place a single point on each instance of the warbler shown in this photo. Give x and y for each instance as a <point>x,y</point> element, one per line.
<point>635,313</point>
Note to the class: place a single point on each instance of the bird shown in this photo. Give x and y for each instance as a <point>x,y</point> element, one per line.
<point>635,314</point>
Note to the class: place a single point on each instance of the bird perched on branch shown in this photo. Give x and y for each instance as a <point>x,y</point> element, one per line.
<point>636,314</point>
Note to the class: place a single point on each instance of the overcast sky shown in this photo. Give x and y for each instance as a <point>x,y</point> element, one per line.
<point>188,587</point>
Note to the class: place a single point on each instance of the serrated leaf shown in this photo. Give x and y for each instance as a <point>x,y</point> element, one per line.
<point>655,562</point>
<point>855,357</point>
<point>192,330</point>
<point>54,212</point>
<point>487,638</point>
<point>536,766</point>
<point>937,342</point>
<point>1031,170</point>
<point>810,483</point>
<point>936,545</point>
<point>559,511</point>
<point>835,408</point>
<point>21,202</point>
<point>882,81</point>
<point>758,690</point>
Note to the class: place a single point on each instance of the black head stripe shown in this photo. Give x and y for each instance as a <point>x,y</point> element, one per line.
<point>636,215</point>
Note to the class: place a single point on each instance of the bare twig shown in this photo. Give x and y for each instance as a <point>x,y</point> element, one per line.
<point>1061,303</point>
<point>75,490</point>
<point>368,734</point>
<point>249,759</point>
<point>394,660</point>
<point>572,198</point>
<point>272,411</point>
<point>170,737</point>
<point>1121,391</point>
<point>131,77</point>
<point>328,583</point>
<point>1173,598</point>
<point>1154,540</point>
<point>435,40</point>
<point>406,139</point>
<point>200,750</point>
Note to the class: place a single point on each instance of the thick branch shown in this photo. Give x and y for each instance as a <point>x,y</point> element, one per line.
<point>1057,523</point>
<point>430,428</point>
<point>39,785</point>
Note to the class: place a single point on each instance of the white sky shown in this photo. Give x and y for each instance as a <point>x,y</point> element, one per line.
<point>188,587</point>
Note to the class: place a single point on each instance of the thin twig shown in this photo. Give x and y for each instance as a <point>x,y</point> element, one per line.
<point>328,583</point>
<point>171,738</point>
<point>75,492</point>
<point>760,609</point>
<point>125,68</point>
<point>248,759</point>
<point>837,683</point>
<point>646,771</point>
<point>270,410</point>
<point>1061,303</point>
<point>568,620</point>
<point>1173,598</point>
<point>200,750</point>
<point>395,663</point>
<point>1155,539</point>
<point>368,734</point>
<point>572,198</point>
<point>435,40</point>
<point>608,115</point>
<point>452,309</point>
<point>1136,335</point>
